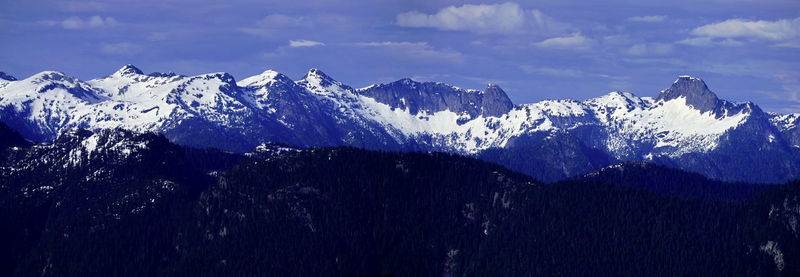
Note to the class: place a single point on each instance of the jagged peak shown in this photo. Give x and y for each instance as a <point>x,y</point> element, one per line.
<point>688,78</point>
<point>222,76</point>
<point>495,93</point>
<point>407,81</point>
<point>694,90</point>
<point>316,78</point>
<point>129,70</point>
<point>318,74</point>
<point>7,77</point>
<point>492,87</point>
<point>414,84</point>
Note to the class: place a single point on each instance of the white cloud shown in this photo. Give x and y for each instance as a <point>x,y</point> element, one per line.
<point>575,41</point>
<point>304,43</point>
<point>707,41</point>
<point>642,49</point>
<point>391,43</point>
<point>736,32</point>
<point>648,18</point>
<point>485,18</point>
<point>96,21</point>
<point>122,48</point>
<point>759,29</point>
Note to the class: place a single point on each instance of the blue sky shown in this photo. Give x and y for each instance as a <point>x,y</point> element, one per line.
<point>743,49</point>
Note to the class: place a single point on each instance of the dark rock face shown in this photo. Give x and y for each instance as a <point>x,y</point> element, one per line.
<point>7,77</point>
<point>549,159</point>
<point>164,74</point>
<point>696,92</point>
<point>494,101</point>
<point>434,97</point>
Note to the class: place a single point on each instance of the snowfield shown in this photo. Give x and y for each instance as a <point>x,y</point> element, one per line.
<point>130,99</point>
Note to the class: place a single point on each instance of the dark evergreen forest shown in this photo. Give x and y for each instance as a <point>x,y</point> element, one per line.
<point>167,210</point>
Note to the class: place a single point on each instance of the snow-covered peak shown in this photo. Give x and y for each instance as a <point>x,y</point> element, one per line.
<point>49,75</point>
<point>128,70</point>
<point>317,73</point>
<point>264,79</point>
<point>318,78</point>
<point>321,84</point>
<point>619,100</point>
<point>56,84</point>
<point>433,113</point>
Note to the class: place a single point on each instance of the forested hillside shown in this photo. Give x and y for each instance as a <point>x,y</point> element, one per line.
<point>137,205</point>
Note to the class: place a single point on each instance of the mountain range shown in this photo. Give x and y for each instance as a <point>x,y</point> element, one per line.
<point>685,126</point>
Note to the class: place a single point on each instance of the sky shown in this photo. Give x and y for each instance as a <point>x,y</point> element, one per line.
<point>745,50</point>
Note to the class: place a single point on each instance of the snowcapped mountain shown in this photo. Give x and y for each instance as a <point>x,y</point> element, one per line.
<point>685,126</point>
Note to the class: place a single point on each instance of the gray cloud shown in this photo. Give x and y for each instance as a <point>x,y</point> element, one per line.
<point>93,22</point>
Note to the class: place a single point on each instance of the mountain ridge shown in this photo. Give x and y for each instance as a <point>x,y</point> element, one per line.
<point>685,126</point>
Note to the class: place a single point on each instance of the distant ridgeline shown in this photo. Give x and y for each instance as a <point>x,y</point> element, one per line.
<point>686,126</point>
<point>120,203</point>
